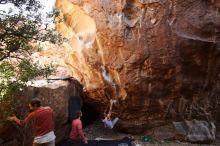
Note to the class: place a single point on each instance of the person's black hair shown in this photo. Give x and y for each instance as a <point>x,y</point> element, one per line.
<point>78,114</point>
<point>35,102</point>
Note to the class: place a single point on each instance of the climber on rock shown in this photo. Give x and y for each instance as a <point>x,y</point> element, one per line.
<point>108,123</point>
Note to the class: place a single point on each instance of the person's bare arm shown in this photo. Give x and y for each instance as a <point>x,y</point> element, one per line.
<point>21,122</point>
<point>15,119</point>
<point>110,110</point>
<point>82,135</point>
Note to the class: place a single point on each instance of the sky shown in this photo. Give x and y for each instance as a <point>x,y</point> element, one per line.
<point>48,5</point>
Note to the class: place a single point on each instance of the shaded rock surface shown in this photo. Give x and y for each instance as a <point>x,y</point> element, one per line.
<point>158,136</point>
<point>158,58</point>
<point>196,131</point>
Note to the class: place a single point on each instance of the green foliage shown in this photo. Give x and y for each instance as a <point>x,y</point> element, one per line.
<point>32,70</point>
<point>6,72</point>
<point>20,30</point>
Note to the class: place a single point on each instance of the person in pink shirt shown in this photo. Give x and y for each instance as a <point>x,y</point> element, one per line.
<point>76,134</point>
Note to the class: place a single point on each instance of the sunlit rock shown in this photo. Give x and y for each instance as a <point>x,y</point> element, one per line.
<point>158,58</point>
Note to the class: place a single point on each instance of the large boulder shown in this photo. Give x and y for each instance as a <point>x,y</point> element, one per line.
<point>158,58</point>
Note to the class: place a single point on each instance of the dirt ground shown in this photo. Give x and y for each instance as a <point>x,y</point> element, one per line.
<point>98,131</point>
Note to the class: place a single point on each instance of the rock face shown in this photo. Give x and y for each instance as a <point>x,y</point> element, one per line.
<point>158,58</point>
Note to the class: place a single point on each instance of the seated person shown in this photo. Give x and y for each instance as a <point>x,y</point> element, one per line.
<point>76,135</point>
